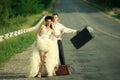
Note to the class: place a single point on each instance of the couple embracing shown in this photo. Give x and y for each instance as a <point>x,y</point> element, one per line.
<point>48,53</point>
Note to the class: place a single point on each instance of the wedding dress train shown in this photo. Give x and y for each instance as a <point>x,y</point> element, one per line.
<point>52,56</point>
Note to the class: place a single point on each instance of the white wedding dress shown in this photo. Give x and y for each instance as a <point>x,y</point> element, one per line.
<point>52,57</point>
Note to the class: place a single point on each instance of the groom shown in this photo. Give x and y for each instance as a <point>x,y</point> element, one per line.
<point>58,27</point>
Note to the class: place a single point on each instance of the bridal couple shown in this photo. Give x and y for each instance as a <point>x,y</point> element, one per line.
<point>48,53</point>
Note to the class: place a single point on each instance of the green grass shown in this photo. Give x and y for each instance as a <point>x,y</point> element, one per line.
<point>15,45</point>
<point>117,16</point>
<point>18,44</point>
<point>20,23</point>
<point>105,9</point>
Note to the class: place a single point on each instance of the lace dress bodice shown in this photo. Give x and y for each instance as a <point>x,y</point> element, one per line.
<point>44,34</point>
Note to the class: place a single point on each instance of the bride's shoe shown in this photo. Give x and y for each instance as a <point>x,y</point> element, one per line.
<point>38,75</point>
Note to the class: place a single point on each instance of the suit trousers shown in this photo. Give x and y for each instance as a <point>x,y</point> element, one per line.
<point>61,52</point>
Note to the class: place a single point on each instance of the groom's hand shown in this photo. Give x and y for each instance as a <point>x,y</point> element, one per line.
<point>78,31</point>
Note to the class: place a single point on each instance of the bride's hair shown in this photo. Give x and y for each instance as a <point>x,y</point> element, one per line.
<point>49,17</point>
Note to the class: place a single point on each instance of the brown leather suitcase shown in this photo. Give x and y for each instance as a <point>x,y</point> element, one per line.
<point>63,70</point>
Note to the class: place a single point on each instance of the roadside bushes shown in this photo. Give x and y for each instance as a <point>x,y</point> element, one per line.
<point>13,8</point>
<point>107,3</point>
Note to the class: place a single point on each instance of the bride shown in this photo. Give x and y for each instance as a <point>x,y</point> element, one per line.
<point>45,51</point>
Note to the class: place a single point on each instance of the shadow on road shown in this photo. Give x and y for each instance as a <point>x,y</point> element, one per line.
<point>11,75</point>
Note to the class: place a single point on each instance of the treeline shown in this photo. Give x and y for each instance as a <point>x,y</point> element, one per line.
<point>107,3</point>
<point>13,8</point>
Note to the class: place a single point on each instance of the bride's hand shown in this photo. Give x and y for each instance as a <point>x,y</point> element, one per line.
<point>37,38</point>
<point>62,32</point>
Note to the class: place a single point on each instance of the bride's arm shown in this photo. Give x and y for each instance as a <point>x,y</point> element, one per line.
<point>57,36</point>
<point>38,31</point>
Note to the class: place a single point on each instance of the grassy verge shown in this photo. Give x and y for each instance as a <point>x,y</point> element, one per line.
<point>15,45</point>
<point>20,23</point>
<point>18,44</point>
<point>115,12</point>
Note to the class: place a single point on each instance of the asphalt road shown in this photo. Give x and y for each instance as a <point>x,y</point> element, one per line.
<point>96,60</point>
<point>99,58</point>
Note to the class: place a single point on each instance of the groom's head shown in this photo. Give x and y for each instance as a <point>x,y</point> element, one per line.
<point>55,17</point>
